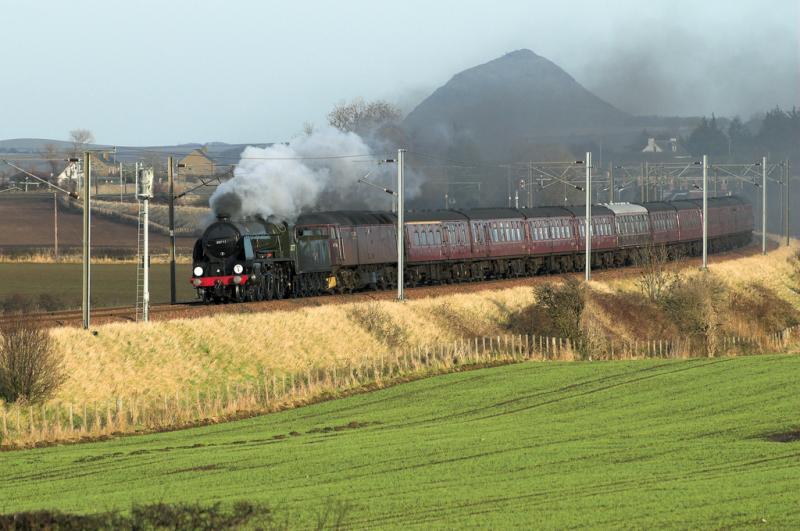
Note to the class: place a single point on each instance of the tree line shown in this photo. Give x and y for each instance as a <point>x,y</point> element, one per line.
<point>777,135</point>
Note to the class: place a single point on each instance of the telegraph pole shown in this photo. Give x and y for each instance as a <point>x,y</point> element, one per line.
<point>508,182</point>
<point>787,202</point>
<point>764,205</point>
<point>87,234</point>
<point>588,267</point>
<point>55,226</point>
<point>171,181</point>
<point>643,183</point>
<point>705,212</point>
<point>120,182</point>
<point>401,155</point>
<point>610,182</point>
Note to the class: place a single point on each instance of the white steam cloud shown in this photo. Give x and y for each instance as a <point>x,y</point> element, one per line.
<point>284,179</point>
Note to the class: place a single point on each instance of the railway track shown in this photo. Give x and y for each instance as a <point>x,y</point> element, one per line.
<point>189,310</point>
<point>99,315</point>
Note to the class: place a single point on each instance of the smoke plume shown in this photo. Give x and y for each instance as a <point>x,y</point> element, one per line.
<point>319,170</point>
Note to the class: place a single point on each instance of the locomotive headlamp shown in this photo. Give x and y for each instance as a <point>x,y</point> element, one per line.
<point>198,271</point>
<point>237,279</point>
<point>238,269</point>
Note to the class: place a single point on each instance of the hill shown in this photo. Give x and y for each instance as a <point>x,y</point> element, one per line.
<point>517,98</point>
<point>642,444</point>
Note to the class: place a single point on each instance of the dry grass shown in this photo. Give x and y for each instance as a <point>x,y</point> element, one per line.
<point>76,258</point>
<point>157,357</point>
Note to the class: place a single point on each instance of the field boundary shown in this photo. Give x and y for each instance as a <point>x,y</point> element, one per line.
<point>26,426</point>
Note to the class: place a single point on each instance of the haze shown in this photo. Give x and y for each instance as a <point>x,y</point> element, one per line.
<point>146,72</point>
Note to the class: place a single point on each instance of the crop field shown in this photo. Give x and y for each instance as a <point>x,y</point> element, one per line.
<point>657,443</point>
<point>113,284</point>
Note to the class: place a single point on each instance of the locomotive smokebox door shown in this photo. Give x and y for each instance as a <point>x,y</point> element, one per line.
<point>144,183</point>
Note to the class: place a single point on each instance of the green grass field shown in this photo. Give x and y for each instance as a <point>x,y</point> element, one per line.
<point>112,284</point>
<point>637,444</point>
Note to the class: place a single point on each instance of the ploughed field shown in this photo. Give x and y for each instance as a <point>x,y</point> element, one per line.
<point>656,443</point>
<point>26,222</point>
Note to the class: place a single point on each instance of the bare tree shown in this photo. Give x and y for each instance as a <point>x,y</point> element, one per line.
<point>30,366</point>
<point>308,128</point>
<point>359,116</point>
<point>656,275</point>
<point>54,158</point>
<point>80,138</point>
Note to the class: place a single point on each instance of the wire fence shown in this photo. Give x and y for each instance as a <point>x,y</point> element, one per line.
<point>24,425</point>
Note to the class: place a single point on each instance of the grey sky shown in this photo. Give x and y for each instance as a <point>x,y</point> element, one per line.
<point>157,72</point>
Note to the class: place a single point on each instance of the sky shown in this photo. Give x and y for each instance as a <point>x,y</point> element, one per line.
<point>149,72</point>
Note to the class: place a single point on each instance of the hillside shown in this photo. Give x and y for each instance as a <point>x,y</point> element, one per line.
<point>519,97</point>
<point>638,444</point>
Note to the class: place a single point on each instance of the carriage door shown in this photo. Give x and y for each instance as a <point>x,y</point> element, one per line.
<point>448,240</point>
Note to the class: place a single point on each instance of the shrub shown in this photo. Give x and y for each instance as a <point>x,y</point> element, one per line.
<point>18,303</point>
<point>378,323</point>
<point>30,367</point>
<point>156,516</point>
<point>794,263</point>
<point>656,276</point>
<point>50,302</point>
<point>696,306</point>
<point>563,305</point>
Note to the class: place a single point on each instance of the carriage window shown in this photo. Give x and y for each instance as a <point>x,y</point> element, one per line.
<point>494,232</point>
<point>438,238</point>
<point>416,238</point>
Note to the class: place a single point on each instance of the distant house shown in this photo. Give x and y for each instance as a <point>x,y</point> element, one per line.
<point>666,145</point>
<point>68,178</point>
<point>198,163</point>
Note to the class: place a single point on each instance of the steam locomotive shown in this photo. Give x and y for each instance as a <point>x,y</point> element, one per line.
<point>344,251</point>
